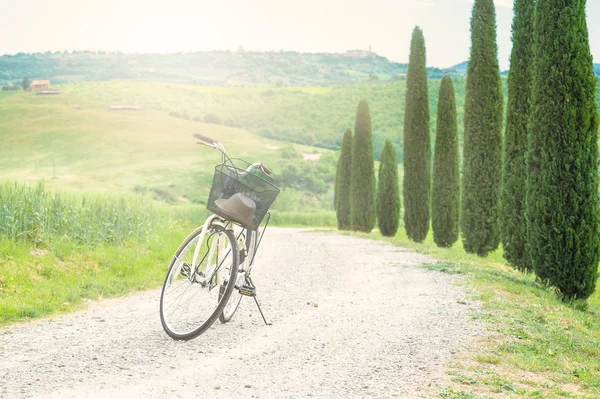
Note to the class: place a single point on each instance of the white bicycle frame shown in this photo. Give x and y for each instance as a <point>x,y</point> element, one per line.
<point>219,248</point>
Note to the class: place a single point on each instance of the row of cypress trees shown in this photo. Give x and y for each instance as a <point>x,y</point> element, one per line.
<point>550,211</point>
<point>541,196</point>
<point>417,190</point>
<point>355,202</point>
<point>355,179</point>
<point>387,205</point>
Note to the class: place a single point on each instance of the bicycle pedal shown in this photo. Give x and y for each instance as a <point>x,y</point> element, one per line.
<point>247,290</point>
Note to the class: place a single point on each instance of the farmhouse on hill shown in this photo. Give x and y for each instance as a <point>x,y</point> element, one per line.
<point>38,85</point>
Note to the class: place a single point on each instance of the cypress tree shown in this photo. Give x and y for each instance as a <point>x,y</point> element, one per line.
<point>388,196</point>
<point>343,185</point>
<point>336,187</point>
<point>417,151</point>
<point>562,181</point>
<point>362,186</point>
<point>513,227</point>
<point>482,162</point>
<point>445,199</point>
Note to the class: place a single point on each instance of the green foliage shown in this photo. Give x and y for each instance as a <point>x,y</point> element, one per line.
<point>388,196</point>
<point>482,160</point>
<point>513,227</point>
<point>562,182</point>
<point>362,186</point>
<point>417,147</point>
<point>445,201</point>
<point>343,207</point>
<point>37,216</point>
<point>315,177</point>
<point>26,83</point>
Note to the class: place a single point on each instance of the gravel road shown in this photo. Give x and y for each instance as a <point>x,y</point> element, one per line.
<point>352,318</point>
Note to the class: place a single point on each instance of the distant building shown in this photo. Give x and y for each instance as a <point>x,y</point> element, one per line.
<point>357,53</point>
<point>38,85</point>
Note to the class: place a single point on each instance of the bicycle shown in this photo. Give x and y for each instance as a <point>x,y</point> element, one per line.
<point>210,271</point>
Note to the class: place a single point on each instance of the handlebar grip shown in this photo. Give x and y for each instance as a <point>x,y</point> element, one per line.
<point>266,170</point>
<point>205,139</point>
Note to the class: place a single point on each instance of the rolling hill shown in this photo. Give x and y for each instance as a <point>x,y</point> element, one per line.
<point>214,68</point>
<point>86,148</point>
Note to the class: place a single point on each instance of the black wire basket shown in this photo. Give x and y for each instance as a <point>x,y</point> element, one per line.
<point>240,196</point>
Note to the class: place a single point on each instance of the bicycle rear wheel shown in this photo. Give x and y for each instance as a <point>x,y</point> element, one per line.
<point>195,293</point>
<point>243,271</point>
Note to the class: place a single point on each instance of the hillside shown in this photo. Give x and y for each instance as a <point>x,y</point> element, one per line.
<point>85,148</point>
<point>215,68</point>
<point>314,116</point>
<point>74,141</point>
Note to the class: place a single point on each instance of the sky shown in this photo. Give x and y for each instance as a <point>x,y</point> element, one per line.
<point>141,26</point>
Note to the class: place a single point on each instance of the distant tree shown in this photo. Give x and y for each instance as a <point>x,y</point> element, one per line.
<point>417,150</point>
<point>362,186</point>
<point>26,83</point>
<point>513,226</point>
<point>344,183</point>
<point>562,183</point>
<point>482,149</point>
<point>445,199</point>
<point>336,187</point>
<point>388,196</point>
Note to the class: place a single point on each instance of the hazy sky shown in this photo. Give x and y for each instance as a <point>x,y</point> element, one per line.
<point>300,25</point>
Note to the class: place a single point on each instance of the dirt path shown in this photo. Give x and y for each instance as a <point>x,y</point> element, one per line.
<point>352,318</point>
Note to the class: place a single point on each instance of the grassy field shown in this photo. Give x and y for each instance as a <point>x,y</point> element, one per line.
<point>74,142</point>
<point>64,276</point>
<point>538,345</point>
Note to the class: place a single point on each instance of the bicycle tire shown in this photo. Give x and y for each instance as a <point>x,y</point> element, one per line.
<point>180,305</point>
<point>236,298</point>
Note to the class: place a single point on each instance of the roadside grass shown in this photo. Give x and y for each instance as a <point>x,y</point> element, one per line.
<point>63,273</point>
<point>538,346</point>
<point>65,276</point>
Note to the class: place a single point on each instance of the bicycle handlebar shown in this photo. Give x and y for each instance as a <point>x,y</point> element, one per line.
<point>207,141</point>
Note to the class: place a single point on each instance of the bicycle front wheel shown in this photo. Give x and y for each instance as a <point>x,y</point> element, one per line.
<point>199,282</point>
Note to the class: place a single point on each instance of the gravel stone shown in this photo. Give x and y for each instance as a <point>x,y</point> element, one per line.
<point>384,327</point>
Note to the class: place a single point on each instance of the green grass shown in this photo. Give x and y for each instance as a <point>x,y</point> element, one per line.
<point>36,215</point>
<point>64,277</point>
<point>539,346</point>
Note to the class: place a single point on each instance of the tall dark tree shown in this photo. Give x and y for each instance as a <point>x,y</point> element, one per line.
<point>417,150</point>
<point>362,187</point>
<point>388,196</point>
<point>482,164</point>
<point>26,83</point>
<point>513,226</point>
<point>344,183</point>
<point>336,187</point>
<point>445,199</point>
<point>562,182</point>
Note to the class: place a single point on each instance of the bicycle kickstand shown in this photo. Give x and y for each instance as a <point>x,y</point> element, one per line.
<point>249,289</point>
